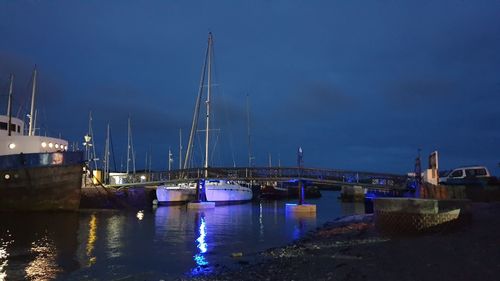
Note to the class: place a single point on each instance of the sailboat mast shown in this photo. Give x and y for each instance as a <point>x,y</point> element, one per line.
<point>180,149</point>
<point>106,157</point>
<point>9,104</point>
<point>91,134</point>
<point>32,111</point>
<point>248,134</point>
<point>170,159</point>
<point>128,146</point>
<point>209,86</point>
<point>194,124</point>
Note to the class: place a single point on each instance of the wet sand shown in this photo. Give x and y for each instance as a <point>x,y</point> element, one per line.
<point>351,248</point>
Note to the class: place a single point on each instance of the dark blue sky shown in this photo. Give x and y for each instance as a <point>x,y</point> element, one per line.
<point>358,84</point>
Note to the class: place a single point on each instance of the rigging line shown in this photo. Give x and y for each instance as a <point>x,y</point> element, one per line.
<point>200,150</point>
<point>194,125</point>
<point>224,103</point>
<point>213,148</point>
<point>112,149</point>
<point>25,100</point>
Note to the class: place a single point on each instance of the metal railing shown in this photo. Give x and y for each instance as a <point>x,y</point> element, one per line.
<point>318,176</point>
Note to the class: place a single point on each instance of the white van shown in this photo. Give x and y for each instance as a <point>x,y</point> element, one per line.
<point>464,175</point>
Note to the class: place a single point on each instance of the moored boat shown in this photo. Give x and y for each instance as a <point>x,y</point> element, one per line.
<point>226,192</point>
<point>36,172</point>
<point>176,194</point>
<point>214,190</point>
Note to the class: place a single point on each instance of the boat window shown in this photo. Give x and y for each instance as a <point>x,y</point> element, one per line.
<point>18,129</point>
<point>12,127</point>
<point>3,126</point>
<point>457,174</point>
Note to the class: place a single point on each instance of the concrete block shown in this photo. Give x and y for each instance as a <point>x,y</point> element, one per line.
<point>354,193</point>
<point>406,205</point>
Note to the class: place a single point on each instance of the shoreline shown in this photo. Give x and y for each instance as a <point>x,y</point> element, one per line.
<point>350,248</point>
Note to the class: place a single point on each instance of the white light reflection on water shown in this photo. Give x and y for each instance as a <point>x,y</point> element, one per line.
<point>44,265</point>
<point>3,259</point>
<point>114,236</point>
<point>140,215</point>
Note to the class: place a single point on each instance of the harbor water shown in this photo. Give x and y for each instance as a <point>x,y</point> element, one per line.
<point>159,244</point>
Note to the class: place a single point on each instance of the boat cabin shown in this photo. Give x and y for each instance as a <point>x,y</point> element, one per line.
<point>18,142</point>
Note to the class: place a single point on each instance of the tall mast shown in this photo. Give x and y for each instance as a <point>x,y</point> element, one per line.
<point>32,111</point>
<point>128,145</point>
<point>250,158</point>
<point>194,124</point>
<point>9,104</point>
<point>106,156</point>
<point>209,86</point>
<point>180,149</point>
<point>34,123</point>
<point>170,159</point>
<point>91,134</point>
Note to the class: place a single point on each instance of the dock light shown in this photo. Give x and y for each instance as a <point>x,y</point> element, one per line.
<point>66,147</point>
<point>12,145</point>
<point>7,176</point>
<point>143,177</point>
<point>57,145</point>
<point>44,144</point>
<point>51,145</point>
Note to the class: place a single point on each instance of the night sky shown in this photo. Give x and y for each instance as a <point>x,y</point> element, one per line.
<point>357,84</point>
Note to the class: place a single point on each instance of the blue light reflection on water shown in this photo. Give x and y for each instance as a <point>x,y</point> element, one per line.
<point>202,245</point>
<point>202,265</point>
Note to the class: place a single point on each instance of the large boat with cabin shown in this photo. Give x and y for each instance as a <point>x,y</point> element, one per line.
<point>37,173</point>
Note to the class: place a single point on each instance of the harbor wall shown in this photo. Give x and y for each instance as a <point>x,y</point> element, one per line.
<point>111,198</point>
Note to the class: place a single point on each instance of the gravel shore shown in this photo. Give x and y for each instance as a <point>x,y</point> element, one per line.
<point>350,248</point>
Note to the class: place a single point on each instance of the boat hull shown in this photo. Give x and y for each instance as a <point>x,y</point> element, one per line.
<point>226,193</point>
<point>28,187</point>
<point>174,196</point>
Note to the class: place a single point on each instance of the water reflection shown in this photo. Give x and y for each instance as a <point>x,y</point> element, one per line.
<point>43,266</point>
<point>3,259</point>
<point>140,215</point>
<point>261,223</point>
<point>91,240</point>
<point>37,246</point>
<point>114,236</point>
<point>202,264</point>
<point>301,221</point>
<point>167,244</point>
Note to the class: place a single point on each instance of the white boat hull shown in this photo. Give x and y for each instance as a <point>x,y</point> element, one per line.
<point>221,191</point>
<point>167,195</point>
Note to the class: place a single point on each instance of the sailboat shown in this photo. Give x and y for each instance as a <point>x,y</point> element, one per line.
<point>37,173</point>
<point>212,190</point>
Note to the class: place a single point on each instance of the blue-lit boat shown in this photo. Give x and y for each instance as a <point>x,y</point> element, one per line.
<point>36,172</point>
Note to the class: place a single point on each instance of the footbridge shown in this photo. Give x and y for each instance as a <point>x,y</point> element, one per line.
<point>312,176</point>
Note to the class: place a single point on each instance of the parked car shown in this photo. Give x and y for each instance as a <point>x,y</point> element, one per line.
<point>467,175</point>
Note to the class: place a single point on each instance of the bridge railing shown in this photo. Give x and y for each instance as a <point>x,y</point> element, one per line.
<point>286,173</point>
